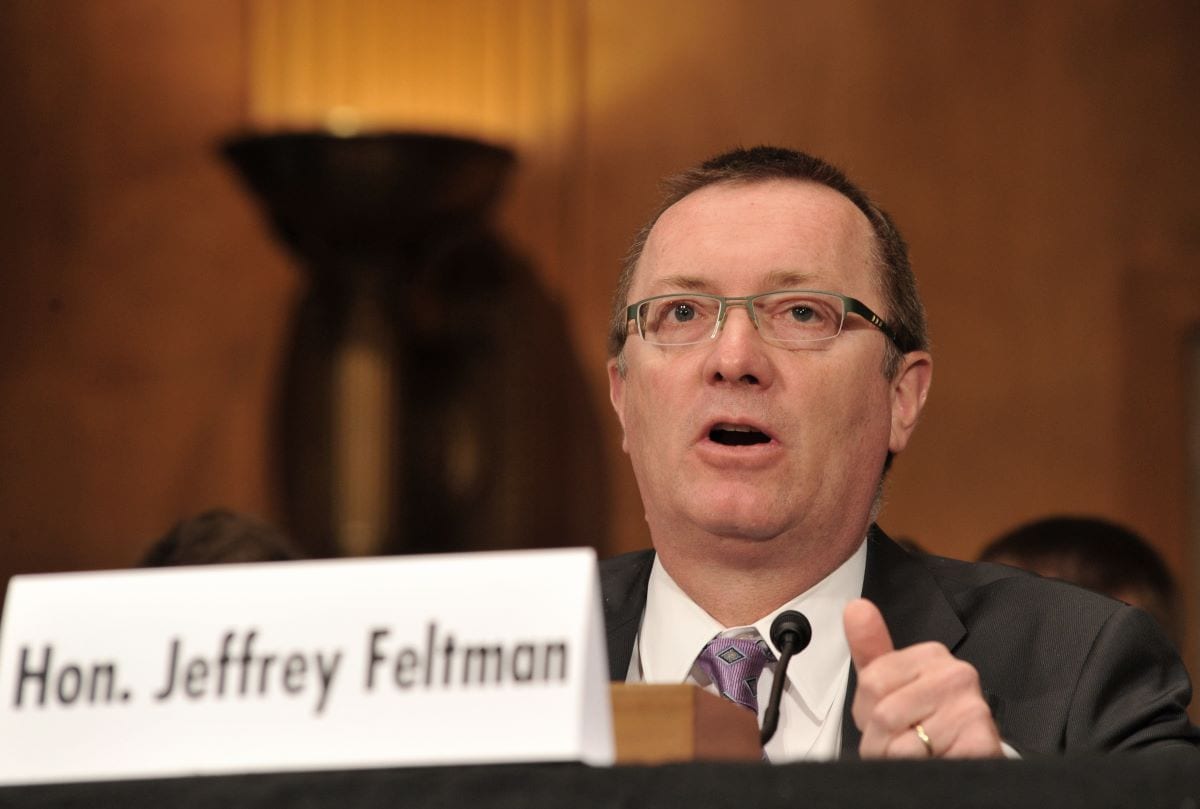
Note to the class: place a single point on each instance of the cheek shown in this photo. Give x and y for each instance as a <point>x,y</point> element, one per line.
<point>638,418</point>
<point>861,424</point>
<point>656,420</point>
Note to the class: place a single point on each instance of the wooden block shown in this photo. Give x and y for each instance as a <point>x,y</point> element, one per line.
<point>656,724</point>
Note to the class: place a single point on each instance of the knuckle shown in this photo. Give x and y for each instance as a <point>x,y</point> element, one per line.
<point>887,715</point>
<point>979,714</point>
<point>870,680</point>
<point>962,675</point>
<point>932,649</point>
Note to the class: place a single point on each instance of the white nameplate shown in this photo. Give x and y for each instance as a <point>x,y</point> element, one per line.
<point>468,658</point>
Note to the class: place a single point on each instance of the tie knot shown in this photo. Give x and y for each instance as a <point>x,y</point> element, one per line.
<point>734,665</point>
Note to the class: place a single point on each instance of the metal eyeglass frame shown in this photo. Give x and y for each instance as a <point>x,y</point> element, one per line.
<point>849,306</point>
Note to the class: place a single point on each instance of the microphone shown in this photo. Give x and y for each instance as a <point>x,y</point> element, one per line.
<point>790,632</point>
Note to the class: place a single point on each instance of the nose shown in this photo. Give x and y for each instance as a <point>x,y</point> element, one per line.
<point>739,355</point>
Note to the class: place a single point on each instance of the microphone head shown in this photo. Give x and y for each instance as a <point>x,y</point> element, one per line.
<point>791,626</point>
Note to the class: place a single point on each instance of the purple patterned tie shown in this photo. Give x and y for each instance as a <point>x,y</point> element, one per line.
<point>734,665</point>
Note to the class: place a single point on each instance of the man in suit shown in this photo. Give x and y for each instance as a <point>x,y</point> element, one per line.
<point>768,358</point>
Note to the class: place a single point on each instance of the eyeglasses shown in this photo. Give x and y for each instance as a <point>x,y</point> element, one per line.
<point>789,318</point>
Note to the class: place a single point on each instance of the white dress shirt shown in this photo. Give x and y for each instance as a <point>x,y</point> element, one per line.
<point>674,630</point>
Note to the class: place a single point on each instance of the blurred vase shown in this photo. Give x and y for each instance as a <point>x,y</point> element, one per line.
<point>405,419</point>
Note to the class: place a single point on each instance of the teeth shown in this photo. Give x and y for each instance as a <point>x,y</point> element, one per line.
<point>736,428</point>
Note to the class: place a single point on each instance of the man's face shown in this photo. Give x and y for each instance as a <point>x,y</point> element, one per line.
<point>828,414</point>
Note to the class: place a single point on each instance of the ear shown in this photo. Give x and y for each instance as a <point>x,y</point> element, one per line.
<point>616,394</point>
<point>909,390</point>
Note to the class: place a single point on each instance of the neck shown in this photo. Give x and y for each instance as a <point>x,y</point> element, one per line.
<point>738,581</point>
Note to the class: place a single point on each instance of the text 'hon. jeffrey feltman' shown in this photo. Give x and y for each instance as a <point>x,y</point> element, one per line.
<point>241,664</point>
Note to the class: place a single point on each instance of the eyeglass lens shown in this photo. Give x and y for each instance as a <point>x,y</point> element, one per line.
<point>785,317</point>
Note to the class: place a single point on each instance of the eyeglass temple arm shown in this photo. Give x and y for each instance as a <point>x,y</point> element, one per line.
<point>862,310</point>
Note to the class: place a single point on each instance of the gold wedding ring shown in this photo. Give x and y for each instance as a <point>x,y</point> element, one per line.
<point>924,737</point>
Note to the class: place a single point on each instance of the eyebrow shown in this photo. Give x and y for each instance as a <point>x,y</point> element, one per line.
<point>688,282</point>
<point>776,279</point>
<point>788,279</point>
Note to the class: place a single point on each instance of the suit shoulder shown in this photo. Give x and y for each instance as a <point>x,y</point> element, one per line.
<point>956,575</point>
<point>975,587</point>
<point>1066,669</point>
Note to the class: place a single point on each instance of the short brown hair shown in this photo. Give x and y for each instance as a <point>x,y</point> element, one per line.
<point>905,312</point>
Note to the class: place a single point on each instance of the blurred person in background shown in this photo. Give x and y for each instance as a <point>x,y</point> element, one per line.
<point>220,536</point>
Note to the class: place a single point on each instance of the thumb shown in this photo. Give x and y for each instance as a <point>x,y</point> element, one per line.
<point>866,632</point>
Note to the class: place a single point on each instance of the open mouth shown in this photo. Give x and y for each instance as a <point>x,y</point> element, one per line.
<point>737,435</point>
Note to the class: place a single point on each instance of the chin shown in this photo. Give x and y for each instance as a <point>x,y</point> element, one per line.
<point>742,523</point>
<point>732,510</point>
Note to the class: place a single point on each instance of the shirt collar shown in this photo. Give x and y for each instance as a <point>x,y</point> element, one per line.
<point>674,630</point>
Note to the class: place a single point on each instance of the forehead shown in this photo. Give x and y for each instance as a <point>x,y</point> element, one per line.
<point>735,237</point>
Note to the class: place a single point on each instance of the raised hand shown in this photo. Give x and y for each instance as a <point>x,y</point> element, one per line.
<point>916,702</point>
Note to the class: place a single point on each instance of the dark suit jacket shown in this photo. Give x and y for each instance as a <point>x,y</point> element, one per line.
<point>1064,670</point>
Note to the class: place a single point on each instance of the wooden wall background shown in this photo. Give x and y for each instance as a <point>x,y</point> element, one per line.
<point>1040,157</point>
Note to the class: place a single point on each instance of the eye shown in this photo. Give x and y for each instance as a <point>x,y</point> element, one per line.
<point>679,319</point>
<point>802,313</point>
<point>682,312</point>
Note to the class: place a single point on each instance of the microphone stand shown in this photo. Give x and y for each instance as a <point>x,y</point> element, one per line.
<point>791,633</point>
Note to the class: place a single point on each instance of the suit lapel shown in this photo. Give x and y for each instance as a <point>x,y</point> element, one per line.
<point>913,605</point>
<point>623,584</point>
